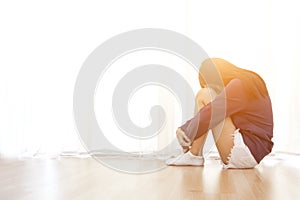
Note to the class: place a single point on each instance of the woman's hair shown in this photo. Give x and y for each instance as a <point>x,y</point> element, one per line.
<point>219,72</point>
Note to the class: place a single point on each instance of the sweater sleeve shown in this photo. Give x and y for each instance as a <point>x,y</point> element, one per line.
<point>230,101</point>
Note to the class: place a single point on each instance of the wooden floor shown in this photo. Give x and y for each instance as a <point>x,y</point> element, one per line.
<point>86,179</point>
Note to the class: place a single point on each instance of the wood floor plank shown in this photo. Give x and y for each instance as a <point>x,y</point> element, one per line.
<point>81,179</point>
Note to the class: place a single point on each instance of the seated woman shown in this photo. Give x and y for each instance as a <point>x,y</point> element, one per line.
<point>234,103</point>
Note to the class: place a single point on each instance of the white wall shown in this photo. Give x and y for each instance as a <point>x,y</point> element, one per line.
<point>43,45</point>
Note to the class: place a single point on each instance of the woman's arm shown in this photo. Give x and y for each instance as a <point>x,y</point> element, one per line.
<point>231,100</point>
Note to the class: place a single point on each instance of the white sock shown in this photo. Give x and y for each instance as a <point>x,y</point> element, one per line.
<point>186,159</point>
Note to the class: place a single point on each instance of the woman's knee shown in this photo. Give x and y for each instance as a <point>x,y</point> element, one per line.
<point>205,95</point>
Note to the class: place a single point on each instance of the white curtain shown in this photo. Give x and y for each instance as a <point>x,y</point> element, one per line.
<point>43,45</point>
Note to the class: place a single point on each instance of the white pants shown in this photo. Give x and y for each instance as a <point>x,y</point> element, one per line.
<point>240,156</point>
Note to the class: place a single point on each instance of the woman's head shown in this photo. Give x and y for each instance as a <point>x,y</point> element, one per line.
<point>217,73</point>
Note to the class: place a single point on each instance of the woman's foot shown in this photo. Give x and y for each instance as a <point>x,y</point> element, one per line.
<point>186,159</point>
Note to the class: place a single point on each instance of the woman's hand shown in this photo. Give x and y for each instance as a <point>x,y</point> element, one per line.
<point>183,140</point>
